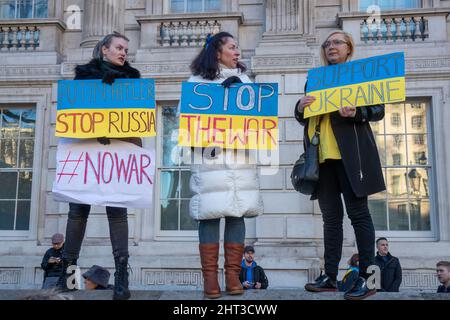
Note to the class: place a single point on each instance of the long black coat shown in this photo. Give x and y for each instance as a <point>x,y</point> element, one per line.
<point>357,146</point>
<point>98,69</point>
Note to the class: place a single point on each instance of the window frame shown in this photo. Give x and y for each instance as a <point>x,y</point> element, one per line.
<point>27,102</point>
<point>433,233</point>
<point>175,235</point>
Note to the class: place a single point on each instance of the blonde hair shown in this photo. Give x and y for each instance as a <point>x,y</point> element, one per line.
<point>347,36</point>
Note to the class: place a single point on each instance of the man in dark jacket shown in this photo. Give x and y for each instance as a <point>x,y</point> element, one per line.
<point>443,274</point>
<point>391,271</point>
<point>52,262</point>
<point>252,276</point>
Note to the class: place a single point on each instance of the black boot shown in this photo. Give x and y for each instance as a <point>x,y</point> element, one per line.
<point>359,291</point>
<point>63,277</point>
<point>121,291</point>
<point>322,284</point>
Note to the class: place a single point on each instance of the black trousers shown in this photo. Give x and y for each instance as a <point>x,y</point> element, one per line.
<point>333,182</point>
<point>76,227</point>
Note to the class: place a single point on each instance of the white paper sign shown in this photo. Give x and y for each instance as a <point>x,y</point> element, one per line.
<point>120,174</point>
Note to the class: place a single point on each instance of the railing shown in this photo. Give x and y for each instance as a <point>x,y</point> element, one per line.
<point>186,33</point>
<point>19,38</point>
<point>394,29</point>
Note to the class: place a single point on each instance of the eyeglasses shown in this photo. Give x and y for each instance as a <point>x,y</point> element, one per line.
<point>334,43</point>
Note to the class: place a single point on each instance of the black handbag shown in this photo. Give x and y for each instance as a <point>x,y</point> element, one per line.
<point>305,173</point>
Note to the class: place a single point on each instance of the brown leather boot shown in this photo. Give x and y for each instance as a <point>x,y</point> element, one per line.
<point>209,255</point>
<point>233,263</point>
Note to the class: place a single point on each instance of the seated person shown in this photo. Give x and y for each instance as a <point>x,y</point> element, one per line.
<point>252,276</point>
<point>97,278</point>
<point>351,275</point>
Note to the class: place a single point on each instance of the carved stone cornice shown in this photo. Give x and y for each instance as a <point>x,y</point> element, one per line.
<point>30,72</point>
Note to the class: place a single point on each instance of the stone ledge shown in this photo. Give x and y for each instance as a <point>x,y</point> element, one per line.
<point>275,294</point>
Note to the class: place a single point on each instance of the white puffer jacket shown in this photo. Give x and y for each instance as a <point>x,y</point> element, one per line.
<point>224,189</point>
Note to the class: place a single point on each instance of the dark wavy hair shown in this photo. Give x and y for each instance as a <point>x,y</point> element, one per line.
<point>206,63</point>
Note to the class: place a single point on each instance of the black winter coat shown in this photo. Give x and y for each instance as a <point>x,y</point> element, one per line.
<point>98,69</point>
<point>391,273</point>
<point>258,275</point>
<point>52,269</point>
<point>357,147</point>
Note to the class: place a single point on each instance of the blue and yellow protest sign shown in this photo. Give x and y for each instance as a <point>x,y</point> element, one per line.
<point>375,80</point>
<point>90,108</point>
<point>243,116</point>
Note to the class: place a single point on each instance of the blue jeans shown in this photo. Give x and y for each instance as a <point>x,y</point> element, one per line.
<point>76,227</point>
<point>209,230</point>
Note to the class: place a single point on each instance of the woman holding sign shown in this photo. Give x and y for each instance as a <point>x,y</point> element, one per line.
<point>109,63</point>
<point>349,165</point>
<point>222,189</point>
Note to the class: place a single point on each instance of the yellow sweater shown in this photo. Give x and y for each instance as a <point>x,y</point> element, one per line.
<point>328,148</point>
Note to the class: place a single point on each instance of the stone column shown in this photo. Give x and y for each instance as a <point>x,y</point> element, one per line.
<point>101,17</point>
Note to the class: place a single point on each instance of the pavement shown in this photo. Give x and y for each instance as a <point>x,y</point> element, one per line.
<point>250,295</point>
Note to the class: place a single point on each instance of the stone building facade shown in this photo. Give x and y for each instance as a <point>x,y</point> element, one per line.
<point>42,41</point>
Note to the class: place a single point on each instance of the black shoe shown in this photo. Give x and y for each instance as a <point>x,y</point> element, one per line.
<point>121,291</point>
<point>322,284</point>
<point>359,291</point>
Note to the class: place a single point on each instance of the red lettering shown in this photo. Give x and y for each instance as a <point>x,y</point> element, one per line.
<point>267,130</point>
<point>120,165</point>
<point>134,169</point>
<point>96,172</point>
<point>83,122</point>
<point>60,120</point>
<point>143,167</point>
<point>215,129</point>
<point>106,181</point>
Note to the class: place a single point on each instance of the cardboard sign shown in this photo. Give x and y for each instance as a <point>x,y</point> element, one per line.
<point>364,82</point>
<point>244,116</point>
<point>120,174</point>
<point>90,108</point>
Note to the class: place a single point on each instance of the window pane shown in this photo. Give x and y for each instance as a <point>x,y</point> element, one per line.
<point>10,123</point>
<point>169,184</point>
<point>169,214</point>
<point>186,222</point>
<point>212,5</point>
<point>396,182</point>
<point>194,6</point>
<point>23,215</point>
<point>41,9</point>
<point>25,8</point>
<point>27,123</point>
<point>378,212</point>
<point>25,179</point>
<point>7,9</point>
<point>418,182</point>
<point>389,4</point>
<point>177,6</point>
<point>394,118</point>
<point>8,182</point>
<point>420,215</point>
<point>7,215</point>
<point>170,137</point>
<point>26,153</point>
<point>8,153</point>
<point>396,150</point>
<point>379,140</point>
<point>185,189</point>
<point>415,117</point>
<point>398,215</point>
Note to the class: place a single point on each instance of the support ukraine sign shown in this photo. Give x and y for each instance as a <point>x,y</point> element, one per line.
<point>243,116</point>
<point>364,82</point>
<point>91,109</point>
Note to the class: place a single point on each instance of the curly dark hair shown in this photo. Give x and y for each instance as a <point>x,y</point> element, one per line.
<point>206,63</point>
